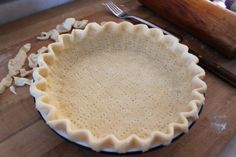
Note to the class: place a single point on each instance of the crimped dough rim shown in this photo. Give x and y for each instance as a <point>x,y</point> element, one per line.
<point>111,141</point>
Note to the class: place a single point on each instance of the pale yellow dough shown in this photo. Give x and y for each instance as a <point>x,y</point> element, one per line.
<point>119,82</point>
<point>14,66</point>
<point>5,83</point>
<point>118,92</point>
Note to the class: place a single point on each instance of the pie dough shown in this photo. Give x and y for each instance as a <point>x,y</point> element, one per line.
<point>5,83</point>
<point>14,66</point>
<point>21,81</point>
<point>118,86</point>
<point>42,50</point>
<point>66,26</point>
<point>13,89</point>
<point>80,24</point>
<point>24,72</point>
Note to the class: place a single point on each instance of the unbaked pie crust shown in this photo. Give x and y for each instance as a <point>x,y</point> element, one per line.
<point>118,86</point>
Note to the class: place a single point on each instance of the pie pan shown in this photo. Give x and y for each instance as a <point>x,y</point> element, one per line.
<point>118,87</point>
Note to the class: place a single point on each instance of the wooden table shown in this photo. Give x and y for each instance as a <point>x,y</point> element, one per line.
<point>22,131</point>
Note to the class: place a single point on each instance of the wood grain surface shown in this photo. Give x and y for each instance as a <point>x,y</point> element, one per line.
<point>209,23</point>
<point>212,24</point>
<point>24,134</point>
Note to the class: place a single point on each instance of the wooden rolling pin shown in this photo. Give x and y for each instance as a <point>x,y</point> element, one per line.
<point>210,23</point>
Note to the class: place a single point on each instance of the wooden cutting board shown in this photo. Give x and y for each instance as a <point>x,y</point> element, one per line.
<point>23,133</point>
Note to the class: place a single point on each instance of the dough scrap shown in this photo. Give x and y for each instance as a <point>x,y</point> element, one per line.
<point>80,24</point>
<point>24,72</point>
<point>68,23</point>
<point>33,60</point>
<point>42,50</point>
<point>5,82</point>
<point>54,34</point>
<point>21,81</point>
<point>103,23</point>
<point>66,26</point>
<point>61,29</point>
<point>13,89</point>
<point>43,36</point>
<point>15,64</point>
